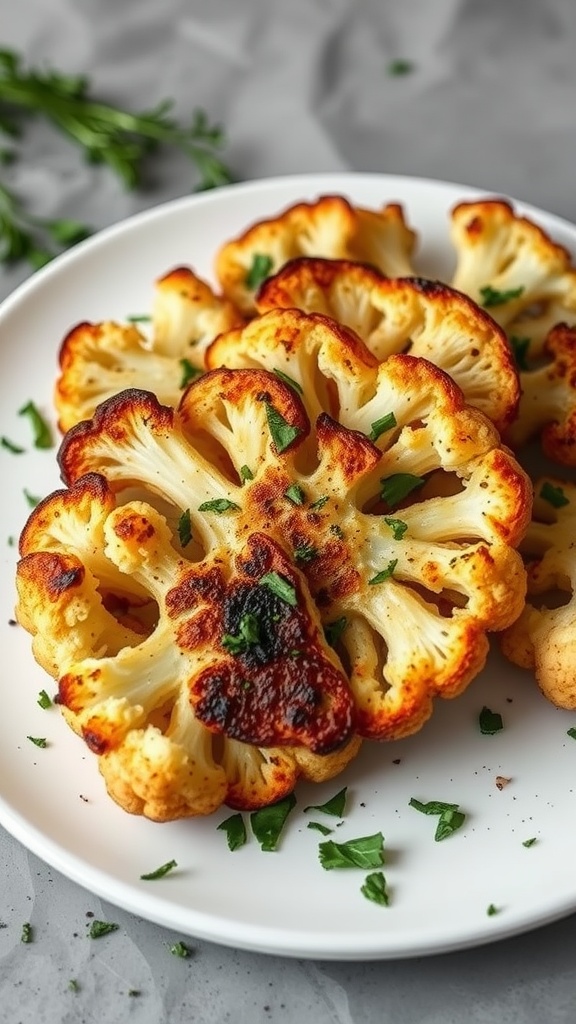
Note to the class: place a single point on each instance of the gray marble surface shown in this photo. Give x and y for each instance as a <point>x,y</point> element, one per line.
<point>299,86</point>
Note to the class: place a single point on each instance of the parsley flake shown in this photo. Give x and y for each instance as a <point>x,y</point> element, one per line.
<point>289,381</point>
<point>268,823</point>
<point>335,805</point>
<point>73,985</point>
<point>399,67</point>
<point>493,297</point>
<point>490,722</point>
<point>319,827</point>
<point>384,574</point>
<point>248,635</point>
<point>180,949</point>
<point>374,889</point>
<point>530,842</point>
<point>305,553</point>
<point>450,817</point>
<point>333,630</point>
<point>44,699</point>
<point>571,733</point>
<point>139,318</point>
<point>261,266</point>
<point>100,928</point>
<point>219,505</point>
<point>319,503</point>
<point>397,526</point>
<point>491,909</point>
<point>151,876</point>
<point>189,372</point>
<point>295,494</point>
<point>398,486</point>
<point>27,934</point>
<point>38,741</point>
<point>520,348</point>
<point>283,433</point>
<point>32,499</point>
<point>235,830</point>
<point>364,852</point>
<point>9,445</point>
<point>40,428</point>
<point>555,496</point>
<point>185,528</point>
<point>246,473</point>
<point>279,586</point>
<point>380,426</point>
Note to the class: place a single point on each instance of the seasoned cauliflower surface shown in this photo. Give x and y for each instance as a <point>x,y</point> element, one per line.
<point>424,318</point>
<point>99,360</point>
<point>330,227</point>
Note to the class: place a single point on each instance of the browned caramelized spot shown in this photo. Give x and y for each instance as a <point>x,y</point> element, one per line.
<point>198,586</point>
<point>201,631</point>
<point>51,573</point>
<point>96,741</point>
<point>133,527</point>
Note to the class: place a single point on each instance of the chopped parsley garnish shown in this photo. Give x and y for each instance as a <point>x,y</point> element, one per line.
<point>384,574</point>
<point>450,817</point>
<point>283,433</point>
<point>11,542</point>
<point>335,805</point>
<point>295,494</point>
<point>319,503</point>
<point>9,445</point>
<point>40,428</point>
<point>553,495</point>
<point>432,806</point>
<point>493,297</point>
<point>490,722</point>
<point>180,949</point>
<point>491,910</point>
<point>305,553</point>
<point>337,531</point>
<point>151,876</point>
<point>289,381</point>
<point>397,526</point>
<point>100,928</point>
<point>139,318</point>
<point>318,827</point>
<point>185,528</point>
<point>246,473</point>
<point>279,586</point>
<point>571,733</point>
<point>73,985</point>
<point>268,823</point>
<point>32,499</point>
<point>235,830</point>
<point>248,635</point>
<point>380,426</point>
<point>219,505</point>
<point>189,372</point>
<point>259,271</point>
<point>400,66</point>
<point>333,630</point>
<point>398,486</point>
<point>364,852</point>
<point>374,889</point>
<point>26,935</point>
<point>44,699</point>
<point>530,842</point>
<point>38,741</point>
<point>520,348</point>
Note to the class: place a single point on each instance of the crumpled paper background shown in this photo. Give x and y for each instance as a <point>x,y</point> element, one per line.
<point>299,86</point>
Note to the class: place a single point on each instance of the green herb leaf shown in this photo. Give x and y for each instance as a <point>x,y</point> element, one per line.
<point>334,806</point>
<point>320,828</point>
<point>397,526</point>
<point>448,823</point>
<point>180,949</point>
<point>385,574</point>
<point>493,297</point>
<point>398,486</point>
<point>67,232</point>
<point>520,348</point>
<point>283,434</point>
<point>319,503</point>
<point>432,806</point>
<point>100,928</point>
<point>27,935</point>
<point>268,823</point>
<point>259,271</point>
<point>219,505</point>
<point>555,496</point>
<point>295,494</point>
<point>571,733</point>
<point>235,830</point>
<point>139,318</point>
<point>289,381</point>
<point>246,473</point>
<point>32,499</point>
<point>530,842</point>
<point>73,985</point>
<point>9,445</point>
<point>374,889</point>
<point>151,876</point>
<point>491,910</point>
<point>189,372</point>
<point>279,586</point>
<point>40,428</point>
<point>248,635</point>
<point>305,553</point>
<point>380,426</point>
<point>185,528</point>
<point>337,531</point>
<point>38,741</point>
<point>490,722</point>
<point>365,852</point>
<point>333,630</point>
<point>400,67</point>
<point>44,700</point>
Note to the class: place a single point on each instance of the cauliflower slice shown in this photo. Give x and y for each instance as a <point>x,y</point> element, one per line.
<point>543,638</point>
<point>98,360</point>
<point>330,227</point>
<point>509,265</point>
<point>413,315</point>
<point>548,401</point>
<point>419,523</point>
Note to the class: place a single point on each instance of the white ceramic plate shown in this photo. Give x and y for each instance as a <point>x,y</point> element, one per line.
<point>53,799</point>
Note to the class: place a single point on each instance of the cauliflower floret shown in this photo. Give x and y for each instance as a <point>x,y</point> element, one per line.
<point>422,317</point>
<point>509,265</point>
<point>544,637</point>
<point>330,227</point>
<point>100,360</point>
